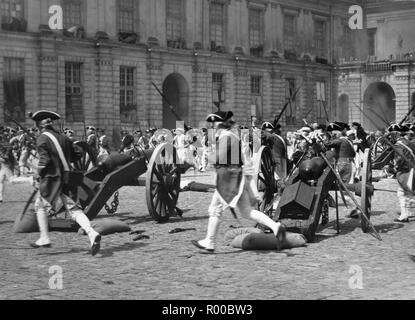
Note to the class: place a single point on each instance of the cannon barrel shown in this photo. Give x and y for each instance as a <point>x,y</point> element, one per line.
<point>311,169</point>
<point>116,160</point>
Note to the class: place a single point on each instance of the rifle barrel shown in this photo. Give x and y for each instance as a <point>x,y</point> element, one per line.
<point>285,106</point>
<point>178,118</point>
<point>407,115</point>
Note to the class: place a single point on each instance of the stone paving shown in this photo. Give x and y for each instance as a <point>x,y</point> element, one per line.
<point>167,266</point>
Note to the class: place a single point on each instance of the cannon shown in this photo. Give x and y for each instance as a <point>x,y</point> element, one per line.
<point>305,197</point>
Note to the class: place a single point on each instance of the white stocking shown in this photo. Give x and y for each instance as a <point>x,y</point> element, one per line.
<point>42,220</point>
<point>263,219</point>
<point>212,231</point>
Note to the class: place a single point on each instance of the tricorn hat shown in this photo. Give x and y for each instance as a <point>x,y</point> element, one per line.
<point>43,115</point>
<point>219,116</point>
<point>338,126</point>
<point>404,128</point>
<point>267,126</point>
<point>395,127</point>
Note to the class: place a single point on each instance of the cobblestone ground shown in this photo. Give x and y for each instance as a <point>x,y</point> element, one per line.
<point>167,266</point>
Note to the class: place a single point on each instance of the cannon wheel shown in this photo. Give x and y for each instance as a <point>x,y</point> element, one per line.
<point>162,183</point>
<point>377,148</point>
<point>88,157</point>
<point>366,199</point>
<point>264,178</point>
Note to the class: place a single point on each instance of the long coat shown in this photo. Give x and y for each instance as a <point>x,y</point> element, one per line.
<point>278,147</point>
<point>50,168</point>
<point>233,167</point>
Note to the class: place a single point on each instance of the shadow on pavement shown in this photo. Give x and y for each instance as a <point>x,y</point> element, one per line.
<point>6,222</point>
<point>345,227</point>
<point>128,246</point>
<point>107,252</point>
<point>220,253</point>
<point>133,219</point>
<point>187,219</point>
<point>130,218</point>
<point>386,227</point>
<point>377,213</point>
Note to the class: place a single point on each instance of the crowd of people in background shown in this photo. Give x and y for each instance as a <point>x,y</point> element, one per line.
<point>348,142</point>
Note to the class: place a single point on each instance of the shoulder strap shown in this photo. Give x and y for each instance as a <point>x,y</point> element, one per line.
<point>407,148</point>
<point>283,141</point>
<point>351,143</point>
<point>59,149</point>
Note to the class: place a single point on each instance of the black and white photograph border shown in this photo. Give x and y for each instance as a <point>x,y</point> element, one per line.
<point>227,150</point>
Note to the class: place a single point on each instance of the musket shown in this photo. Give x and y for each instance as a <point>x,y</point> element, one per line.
<point>407,115</point>
<point>370,119</point>
<point>31,135</point>
<point>85,138</point>
<point>20,126</point>
<point>325,109</point>
<point>277,119</point>
<point>178,118</point>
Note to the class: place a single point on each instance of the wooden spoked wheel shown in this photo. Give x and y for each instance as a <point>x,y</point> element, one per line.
<point>163,183</point>
<point>88,159</point>
<point>378,147</point>
<point>366,198</point>
<point>264,179</point>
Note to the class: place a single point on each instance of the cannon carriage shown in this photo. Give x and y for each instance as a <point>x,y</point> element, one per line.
<point>305,199</point>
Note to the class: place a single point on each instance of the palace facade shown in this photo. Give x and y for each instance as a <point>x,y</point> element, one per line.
<point>248,56</point>
<point>378,89</point>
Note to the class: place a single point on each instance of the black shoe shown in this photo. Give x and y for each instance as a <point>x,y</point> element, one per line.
<point>36,246</point>
<point>197,245</point>
<point>96,246</point>
<point>402,221</point>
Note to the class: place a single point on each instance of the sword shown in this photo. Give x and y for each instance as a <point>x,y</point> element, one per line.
<point>28,203</point>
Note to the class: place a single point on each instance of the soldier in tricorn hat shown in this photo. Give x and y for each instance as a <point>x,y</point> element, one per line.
<point>234,181</point>
<point>278,147</point>
<point>56,152</point>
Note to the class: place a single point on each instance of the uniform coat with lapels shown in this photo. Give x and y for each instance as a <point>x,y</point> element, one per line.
<point>234,169</point>
<point>50,168</point>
